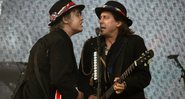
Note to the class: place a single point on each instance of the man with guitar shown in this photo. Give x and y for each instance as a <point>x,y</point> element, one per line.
<point>119,51</point>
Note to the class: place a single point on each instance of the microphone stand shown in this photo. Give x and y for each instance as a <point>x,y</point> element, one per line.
<point>98,65</point>
<point>182,69</point>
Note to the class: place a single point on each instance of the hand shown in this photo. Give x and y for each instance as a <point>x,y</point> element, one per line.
<point>92,97</point>
<point>80,95</point>
<point>119,87</point>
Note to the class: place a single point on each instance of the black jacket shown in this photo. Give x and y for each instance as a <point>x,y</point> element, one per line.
<point>57,67</point>
<point>121,54</point>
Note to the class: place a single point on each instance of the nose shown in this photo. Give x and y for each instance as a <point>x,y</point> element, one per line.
<point>81,17</point>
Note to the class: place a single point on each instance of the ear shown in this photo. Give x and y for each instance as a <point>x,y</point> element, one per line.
<point>119,23</point>
<point>65,19</point>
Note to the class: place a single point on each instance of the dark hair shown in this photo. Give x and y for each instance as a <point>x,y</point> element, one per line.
<point>124,28</point>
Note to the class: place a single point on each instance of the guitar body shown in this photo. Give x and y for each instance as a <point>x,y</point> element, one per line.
<point>58,95</point>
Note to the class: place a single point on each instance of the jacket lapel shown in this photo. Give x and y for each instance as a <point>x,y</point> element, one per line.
<point>116,54</point>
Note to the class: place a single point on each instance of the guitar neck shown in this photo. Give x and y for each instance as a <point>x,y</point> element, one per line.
<point>109,92</point>
<point>127,72</point>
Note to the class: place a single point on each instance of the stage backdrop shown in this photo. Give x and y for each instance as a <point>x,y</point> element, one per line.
<point>160,22</point>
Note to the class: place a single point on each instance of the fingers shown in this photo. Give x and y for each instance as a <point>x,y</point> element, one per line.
<point>116,79</point>
<point>119,87</point>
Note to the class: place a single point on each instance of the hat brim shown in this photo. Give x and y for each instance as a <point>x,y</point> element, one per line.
<point>80,7</point>
<point>99,10</point>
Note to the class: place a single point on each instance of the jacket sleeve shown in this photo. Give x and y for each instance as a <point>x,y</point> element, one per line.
<point>63,69</point>
<point>140,77</point>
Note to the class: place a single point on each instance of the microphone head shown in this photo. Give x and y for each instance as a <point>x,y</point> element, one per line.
<point>98,31</point>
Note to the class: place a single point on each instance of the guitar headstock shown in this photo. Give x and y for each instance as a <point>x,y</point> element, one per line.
<point>144,57</point>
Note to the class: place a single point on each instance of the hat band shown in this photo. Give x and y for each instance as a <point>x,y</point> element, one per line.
<point>65,8</point>
<point>115,8</point>
<point>54,15</point>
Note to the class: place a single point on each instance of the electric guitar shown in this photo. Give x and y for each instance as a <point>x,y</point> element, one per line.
<point>143,59</point>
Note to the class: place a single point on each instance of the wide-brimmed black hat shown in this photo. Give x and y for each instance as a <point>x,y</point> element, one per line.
<point>60,8</point>
<point>116,8</point>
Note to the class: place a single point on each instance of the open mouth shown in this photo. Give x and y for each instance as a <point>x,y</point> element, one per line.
<point>102,28</point>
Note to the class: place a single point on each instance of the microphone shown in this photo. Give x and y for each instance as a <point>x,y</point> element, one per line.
<point>95,66</point>
<point>98,31</point>
<point>173,56</point>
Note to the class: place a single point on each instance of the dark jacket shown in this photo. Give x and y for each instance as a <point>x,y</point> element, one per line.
<point>57,67</point>
<point>120,56</point>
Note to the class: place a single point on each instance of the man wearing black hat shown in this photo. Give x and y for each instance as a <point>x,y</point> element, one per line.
<point>54,57</point>
<point>118,48</point>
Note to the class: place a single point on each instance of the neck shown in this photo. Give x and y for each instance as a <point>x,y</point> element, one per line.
<point>68,31</point>
<point>111,39</point>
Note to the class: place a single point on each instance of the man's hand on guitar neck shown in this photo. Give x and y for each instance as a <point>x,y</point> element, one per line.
<point>119,87</point>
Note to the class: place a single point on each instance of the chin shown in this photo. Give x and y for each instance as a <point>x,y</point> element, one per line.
<point>78,31</point>
<point>102,33</point>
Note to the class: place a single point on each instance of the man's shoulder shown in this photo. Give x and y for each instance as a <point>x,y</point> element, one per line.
<point>135,37</point>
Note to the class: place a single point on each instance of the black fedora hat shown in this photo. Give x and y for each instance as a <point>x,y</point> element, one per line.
<point>114,7</point>
<point>60,8</point>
